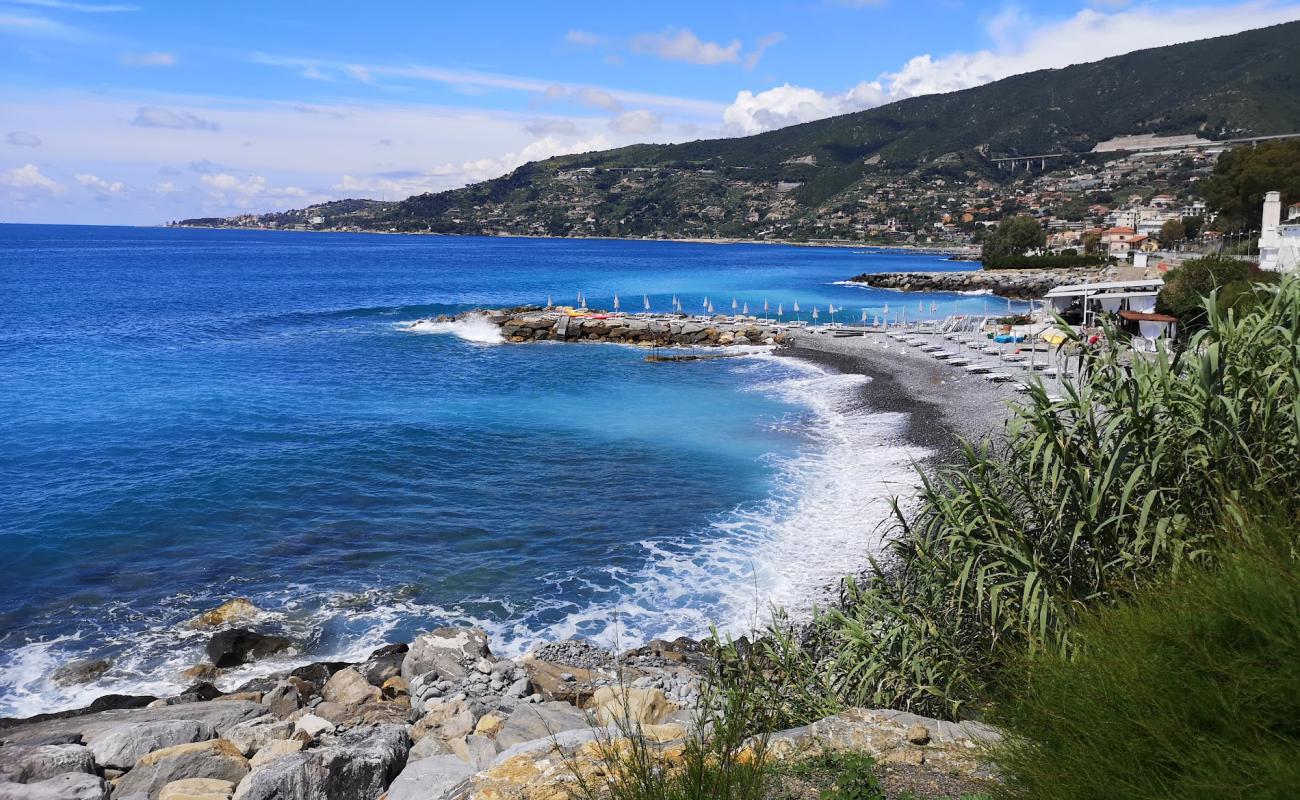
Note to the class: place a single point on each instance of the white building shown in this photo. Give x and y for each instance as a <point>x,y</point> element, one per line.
<point>1279,242</point>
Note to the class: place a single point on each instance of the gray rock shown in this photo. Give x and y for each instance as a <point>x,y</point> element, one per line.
<point>450,652</point>
<point>539,721</point>
<point>77,672</point>
<point>221,716</point>
<point>216,758</point>
<point>33,763</point>
<point>427,747</point>
<point>69,786</point>
<point>565,740</point>
<point>359,765</point>
<point>240,645</point>
<point>435,778</point>
<point>254,734</point>
<point>477,751</point>
<point>121,746</point>
<point>283,699</point>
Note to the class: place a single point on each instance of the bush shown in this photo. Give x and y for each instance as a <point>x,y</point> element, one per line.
<point>1086,501</point>
<point>1188,285</point>
<point>1188,692</point>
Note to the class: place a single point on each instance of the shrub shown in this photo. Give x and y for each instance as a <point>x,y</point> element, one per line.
<point>1187,286</point>
<point>1086,501</point>
<point>1062,261</point>
<point>1188,692</point>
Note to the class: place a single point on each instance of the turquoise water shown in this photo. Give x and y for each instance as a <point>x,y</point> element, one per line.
<point>198,415</point>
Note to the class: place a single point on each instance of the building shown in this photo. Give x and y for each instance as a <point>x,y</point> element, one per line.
<point>1120,241</point>
<point>1279,242</point>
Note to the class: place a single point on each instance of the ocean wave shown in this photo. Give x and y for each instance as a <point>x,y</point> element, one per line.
<point>476,328</point>
<point>976,292</point>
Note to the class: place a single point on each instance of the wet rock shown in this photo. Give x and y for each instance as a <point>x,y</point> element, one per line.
<point>217,758</point>
<point>347,687</point>
<point>79,672</point>
<point>68,786</point>
<point>241,645</point>
<point>34,763</point>
<point>450,652</point>
<point>432,778</point>
<point>197,789</point>
<point>204,672</point>
<point>121,746</point>
<point>361,764</point>
<point>241,609</point>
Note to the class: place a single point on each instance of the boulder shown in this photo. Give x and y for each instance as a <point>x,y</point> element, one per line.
<point>313,725</point>
<point>197,789</point>
<point>449,719</point>
<point>241,645</point>
<point>317,674</point>
<point>283,699</point>
<point>216,758</point>
<point>34,763</point>
<point>427,747</point>
<point>121,746</point>
<point>433,778</point>
<point>68,786</point>
<point>539,721</point>
<point>477,751</point>
<point>347,687</point>
<point>560,681</point>
<point>358,766</point>
<point>278,748</point>
<point>220,716</point>
<point>450,652</point>
<point>255,734</point>
<point>647,706</point>
<point>241,609</point>
<point>78,672</point>
<point>201,672</point>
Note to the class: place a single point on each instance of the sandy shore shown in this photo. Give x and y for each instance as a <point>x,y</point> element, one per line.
<point>943,403</point>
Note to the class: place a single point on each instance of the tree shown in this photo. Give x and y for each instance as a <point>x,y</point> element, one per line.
<point>1091,243</point>
<point>1192,226</point>
<point>1013,237</point>
<point>1244,175</point>
<point>1172,232</point>
<point>1233,279</point>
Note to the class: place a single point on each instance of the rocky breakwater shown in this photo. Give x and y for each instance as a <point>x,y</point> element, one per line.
<point>440,717</point>
<point>532,325</point>
<point>1018,284</point>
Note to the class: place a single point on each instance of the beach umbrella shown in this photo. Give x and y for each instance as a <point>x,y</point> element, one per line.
<point>780,310</point>
<point>733,304</point>
<point>920,307</point>
<point>645,301</point>
<point>710,308</point>
<point>706,304</point>
<point>934,307</point>
<point>745,310</point>
<point>886,310</point>
<point>616,301</point>
<point>765,308</point>
<point>864,316</point>
<point>796,309</point>
<point>582,300</point>
<point>831,309</point>
<point>814,313</point>
<point>548,301</point>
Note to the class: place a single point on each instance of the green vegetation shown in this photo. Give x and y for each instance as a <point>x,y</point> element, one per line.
<point>1243,176</point>
<point>1011,239</point>
<point>1189,691</point>
<point>1235,284</point>
<point>1062,261</point>
<point>1087,501</point>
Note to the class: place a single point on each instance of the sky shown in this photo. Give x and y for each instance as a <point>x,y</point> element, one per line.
<point>140,111</point>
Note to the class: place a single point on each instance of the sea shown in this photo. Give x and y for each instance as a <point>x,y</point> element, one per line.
<point>191,416</point>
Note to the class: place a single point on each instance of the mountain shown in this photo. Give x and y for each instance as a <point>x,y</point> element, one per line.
<point>798,181</point>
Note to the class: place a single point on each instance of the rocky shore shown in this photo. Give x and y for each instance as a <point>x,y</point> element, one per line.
<point>440,717</point>
<point>1017,284</point>
<point>533,324</point>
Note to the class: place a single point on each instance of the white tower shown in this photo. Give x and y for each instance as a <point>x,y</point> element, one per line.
<point>1270,240</point>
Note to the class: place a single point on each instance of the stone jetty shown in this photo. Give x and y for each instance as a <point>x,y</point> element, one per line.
<point>1018,284</point>
<point>438,718</point>
<point>539,324</point>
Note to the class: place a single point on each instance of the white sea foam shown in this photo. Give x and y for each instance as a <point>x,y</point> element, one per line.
<point>475,328</point>
<point>977,292</point>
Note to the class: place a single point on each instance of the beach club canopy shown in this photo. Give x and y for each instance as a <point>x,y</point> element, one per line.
<point>1087,289</point>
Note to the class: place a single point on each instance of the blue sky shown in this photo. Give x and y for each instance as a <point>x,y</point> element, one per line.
<point>140,112</point>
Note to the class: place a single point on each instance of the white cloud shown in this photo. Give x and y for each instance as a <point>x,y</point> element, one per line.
<point>637,123</point>
<point>551,127</point>
<point>23,139</point>
<point>760,47</point>
<point>681,44</point>
<point>583,38</point>
<point>155,59</point>
<point>99,184</point>
<point>1022,46</point>
<point>588,96</point>
<point>39,27</point>
<point>86,8</point>
<point>156,117</point>
<point>28,180</point>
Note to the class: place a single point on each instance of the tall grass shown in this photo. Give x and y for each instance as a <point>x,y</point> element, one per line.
<point>1084,502</point>
<point>1188,692</point>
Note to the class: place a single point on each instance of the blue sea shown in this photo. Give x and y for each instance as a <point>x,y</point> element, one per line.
<point>196,415</point>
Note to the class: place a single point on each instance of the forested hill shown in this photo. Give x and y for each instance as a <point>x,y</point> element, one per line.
<point>1232,86</point>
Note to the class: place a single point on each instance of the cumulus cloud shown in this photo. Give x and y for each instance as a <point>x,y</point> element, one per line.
<point>28,180</point>
<point>636,123</point>
<point>99,184</point>
<point>1022,45</point>
<point>681,44</point>
<point>155,59</point>
<point>156,117</point>
<point>241,193</point>
<point>23,139</point>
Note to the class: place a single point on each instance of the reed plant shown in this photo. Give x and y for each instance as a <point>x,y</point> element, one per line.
<point>1084,501</point>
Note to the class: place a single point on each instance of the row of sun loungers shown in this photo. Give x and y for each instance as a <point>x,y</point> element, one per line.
<point>964,346</point>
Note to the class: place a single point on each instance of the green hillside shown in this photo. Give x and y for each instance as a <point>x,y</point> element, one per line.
<point>1240,85</point>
